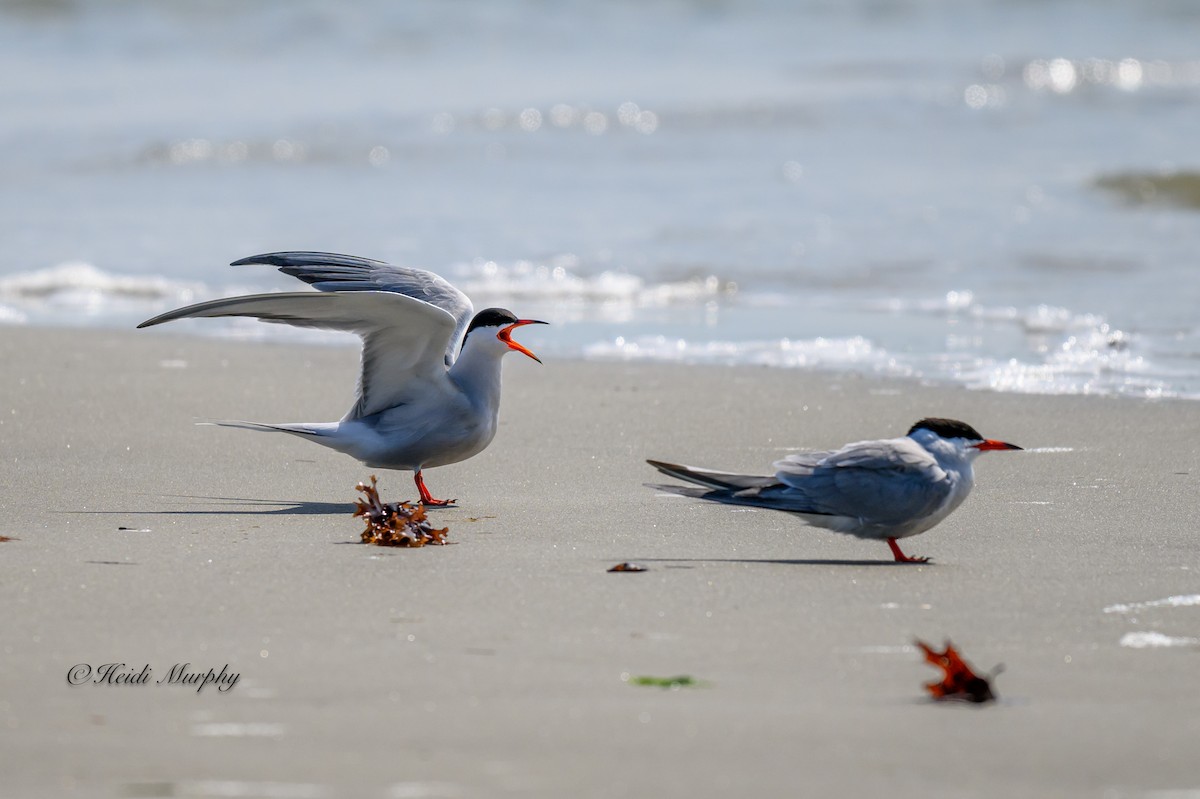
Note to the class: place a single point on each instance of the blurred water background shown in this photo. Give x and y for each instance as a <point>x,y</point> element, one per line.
<point>998,193</point>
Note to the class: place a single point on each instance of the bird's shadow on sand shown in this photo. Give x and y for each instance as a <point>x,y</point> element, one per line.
<point>783,562</point>
<point>237,506</point>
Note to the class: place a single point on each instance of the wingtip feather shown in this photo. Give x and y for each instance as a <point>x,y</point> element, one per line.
<point>255,260</point>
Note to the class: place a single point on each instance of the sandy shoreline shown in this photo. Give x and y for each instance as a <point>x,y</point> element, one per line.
<point>494,667</point>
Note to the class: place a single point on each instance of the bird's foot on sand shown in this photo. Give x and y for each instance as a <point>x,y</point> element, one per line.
<point>901,557</point>
<point>426,498</point>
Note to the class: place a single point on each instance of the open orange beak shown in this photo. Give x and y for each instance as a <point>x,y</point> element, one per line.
<point>505,335</point>
<point>989,444</point>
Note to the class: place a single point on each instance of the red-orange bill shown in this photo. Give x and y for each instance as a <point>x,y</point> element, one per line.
<point>991,443</point>
<point>505,335</point>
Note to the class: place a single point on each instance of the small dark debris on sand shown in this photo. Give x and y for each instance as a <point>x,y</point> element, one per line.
<point>627,567</point>
<point>671,683</point>
<point>395,524</point>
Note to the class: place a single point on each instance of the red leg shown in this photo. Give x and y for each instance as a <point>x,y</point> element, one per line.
<point>426,497</point>
<point>901,557</point>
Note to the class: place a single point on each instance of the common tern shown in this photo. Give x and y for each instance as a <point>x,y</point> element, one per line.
<point>888,489</point>
<point>429,387</point>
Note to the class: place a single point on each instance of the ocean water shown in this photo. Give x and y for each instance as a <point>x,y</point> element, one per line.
<point>1003,194</point>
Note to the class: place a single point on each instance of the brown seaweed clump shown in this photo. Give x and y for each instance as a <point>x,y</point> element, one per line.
<point>395,524</point>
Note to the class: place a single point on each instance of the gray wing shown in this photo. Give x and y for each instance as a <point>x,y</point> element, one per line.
<point>404,339</point>
<point>879,482</point>
<point>326,271</point>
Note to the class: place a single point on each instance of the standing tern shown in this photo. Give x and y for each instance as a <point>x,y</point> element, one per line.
<point>429,389</point>
<point>888,489</point>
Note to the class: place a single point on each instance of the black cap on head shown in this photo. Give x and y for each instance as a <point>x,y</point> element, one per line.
<point>492,317</point>
<point>947,428</point>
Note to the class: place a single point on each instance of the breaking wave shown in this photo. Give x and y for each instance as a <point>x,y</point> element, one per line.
<point>1057,350</point>
<point>558,280</point>
<point>855,353</point>
<point>77,290</point>
<point>1061,352</point>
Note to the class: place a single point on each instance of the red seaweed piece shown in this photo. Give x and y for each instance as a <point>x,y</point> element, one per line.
<point>959,682</point>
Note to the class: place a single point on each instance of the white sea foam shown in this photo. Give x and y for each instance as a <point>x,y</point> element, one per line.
<point>11,316</point>
<point>1151,639</point>
<point>237,729</point>
<point>1077,353</point>
<point>1080,354</point>
<point>1064,353</point>
<point>557,281</point>
<point>1079,366</point>
<point>84,288</point>
<point>1073,371</point>
<point>855,353</point>
<point>1037,319</point>
<point>424,790</point>
<point>77,276</point>
<point>236,788</point>
<point>881,649</point>
<point>1179,601</point>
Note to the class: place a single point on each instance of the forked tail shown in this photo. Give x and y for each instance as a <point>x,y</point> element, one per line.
<point>304,430</point>
<point>710,478</point>
<point>734,489</point>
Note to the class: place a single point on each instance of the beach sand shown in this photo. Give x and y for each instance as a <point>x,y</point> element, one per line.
<point>505,664</point>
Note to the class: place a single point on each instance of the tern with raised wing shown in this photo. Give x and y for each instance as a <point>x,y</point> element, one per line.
<point>429,388</point>
<point>882,490</point>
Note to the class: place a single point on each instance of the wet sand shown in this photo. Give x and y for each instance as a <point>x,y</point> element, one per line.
<point>504,664</point>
